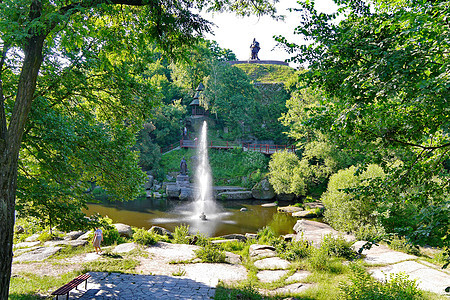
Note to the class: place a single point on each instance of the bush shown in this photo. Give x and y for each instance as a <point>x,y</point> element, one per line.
<point>343,211</point>
<point>294,250</point>
<point>181,234</point>
<point>143,237</point>
<point>370,232</point>
<point>337,246</point>
<point>266,235</point>
<point>362,286</point>
<point>46,236</point>
<point>210,254</point>
<point>402,244</point>
<point>111,236</point>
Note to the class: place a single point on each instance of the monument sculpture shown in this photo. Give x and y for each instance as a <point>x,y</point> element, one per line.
<point>183,167</point>
<point>255,49</point>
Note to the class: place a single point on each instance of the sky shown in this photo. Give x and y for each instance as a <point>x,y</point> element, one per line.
<point>237,33</point>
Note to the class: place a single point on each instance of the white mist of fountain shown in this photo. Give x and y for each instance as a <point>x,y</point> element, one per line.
<point>204,203</point>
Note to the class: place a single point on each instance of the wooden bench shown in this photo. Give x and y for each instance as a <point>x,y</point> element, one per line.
<point>65,289</point>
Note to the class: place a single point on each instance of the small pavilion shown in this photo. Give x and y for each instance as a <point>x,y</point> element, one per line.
<point>196,109</point>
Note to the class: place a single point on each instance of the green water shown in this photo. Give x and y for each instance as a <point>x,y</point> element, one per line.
<point>144,213</point>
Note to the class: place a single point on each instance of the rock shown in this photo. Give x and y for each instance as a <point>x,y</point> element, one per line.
<point>263,190</point>
<point>74,243</point>
<point>239,195</point>
<point>161,231</point>
<point>124,230</point>
<point>295,288</point>
<point>273,204</point>
<point>272,263</point>
<point>232,258</point>
<point>261,251</point>
<point>298,276</point>
<point>270,275</point>
<point>381,254</point>
<point>285,197</point>
<point>314,205</point>
<point>315,231</point>
<point>19,229</point>
<point>38,254</point>
<point>183,180</point>
<point>173,190</point>
<point>156,195</point>
<point>73,235</point>
<point>288,237</point>
<point>305,214</point>
<point>289,209</point>
<point>26,244</point>
<point>149,183</point>
<point>251,236</point>
<point>186,194</point>
<point>124,248</point>
<point>32,238</point>
<point>240,237</point>
<point>88,235</point>
<point>244,209</point>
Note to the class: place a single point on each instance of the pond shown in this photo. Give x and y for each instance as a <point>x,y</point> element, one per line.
<point>146,212</point>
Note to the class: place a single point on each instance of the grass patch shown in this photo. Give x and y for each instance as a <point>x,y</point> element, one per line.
<point>210,254</point>
<point>111,265</point>
<point>179,272</point>
<point>28,286</point>
<point>247,292</point>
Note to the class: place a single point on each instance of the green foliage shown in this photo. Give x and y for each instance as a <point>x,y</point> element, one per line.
<point>288,174</point>
<point>210,253</point>
<point>181,234</point>
<point>337,246</point>
<point>247,292</point>
<point>363,286</point>
<point>369,232</point>
<point>47,236</point>
<point>233,246</point>
<point>294,250</point>
<point>344,211</point>
<point>143,237</point>
<point>402,244</point>
<point>266,235</point>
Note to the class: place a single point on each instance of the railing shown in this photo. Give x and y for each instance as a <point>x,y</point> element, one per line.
<point>263,148</point>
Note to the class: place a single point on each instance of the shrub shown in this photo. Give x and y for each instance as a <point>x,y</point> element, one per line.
<point>181,234</point>
<point>337,246</point>
<point>45,236</point>
<point>402,244</point>
<point>111,236</point>
<point>369,232</point>
<point>362,286</point>
<point>143,237</point>
<point>266,235</point>
<point>343,211</point>
<point>294,250</point>
<point>210,254</point>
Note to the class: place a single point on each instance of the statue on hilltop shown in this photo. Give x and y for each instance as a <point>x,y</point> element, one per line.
<point>255,49</point>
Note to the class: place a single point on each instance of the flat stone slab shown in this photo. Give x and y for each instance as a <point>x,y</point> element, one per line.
<point>298,276</point>
<point>172,252</point>
<point>233,258</point>
<point>428,278</point>
<point>26,244</point>
<point>273,204</point>
<point>124,248</point>
<point>294,288</point>
<point>32,238</point>
<point>315,231</point>
<point>216,242</point>
<point>257,251</point>
<point>86,236</point>
<point>238,195</point>
<point>382,254</point>
<point>305,214</point>
<point>37,254</point>
<point>289,209</point>
<point>73,243</point>
<point>272,263</point>
<point>73,235</point>
<point>211,274</point>
<point>270,275</point>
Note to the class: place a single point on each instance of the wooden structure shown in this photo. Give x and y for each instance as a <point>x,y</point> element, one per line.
<point>263,148</point>
<point>65,289</point>
<point>196,109</point>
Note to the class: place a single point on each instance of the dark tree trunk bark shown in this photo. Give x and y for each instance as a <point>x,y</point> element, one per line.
<point>9,154</point>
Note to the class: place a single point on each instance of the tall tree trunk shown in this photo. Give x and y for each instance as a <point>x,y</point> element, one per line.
<point>9,154</point>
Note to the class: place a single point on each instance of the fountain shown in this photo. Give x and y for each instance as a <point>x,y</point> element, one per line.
<point>204,204</point>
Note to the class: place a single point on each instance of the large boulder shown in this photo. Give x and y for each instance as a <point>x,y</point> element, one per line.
<point>37,254</point>
<point>73,235</point>
<point>239,195</point>
<point>285,197</point>
<point>173,190</point>
<point>161,231</point>
<point>263,190</point>
<point>124,230</point>
<point>289,209</point>
<point>149,183</point>
<point>234,236</point>
<point>186,193</point>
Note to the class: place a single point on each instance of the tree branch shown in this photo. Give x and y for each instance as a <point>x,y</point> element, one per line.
<point>419,146</point>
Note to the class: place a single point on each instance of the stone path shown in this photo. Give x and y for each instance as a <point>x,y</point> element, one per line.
<point>133,286</point>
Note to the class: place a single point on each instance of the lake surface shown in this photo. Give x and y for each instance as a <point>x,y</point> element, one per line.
<point>146,212</point>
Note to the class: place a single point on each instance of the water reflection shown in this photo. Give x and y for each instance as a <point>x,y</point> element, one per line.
<point>144,213</point>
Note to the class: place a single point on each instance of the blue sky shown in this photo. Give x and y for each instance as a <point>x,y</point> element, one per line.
<point>237,33</point>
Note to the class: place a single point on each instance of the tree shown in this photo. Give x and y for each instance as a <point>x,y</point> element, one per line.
<point>383,70</point>
<point>32,30</point>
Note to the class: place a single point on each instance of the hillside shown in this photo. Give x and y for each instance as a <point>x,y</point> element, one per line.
<point>262,73</point>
